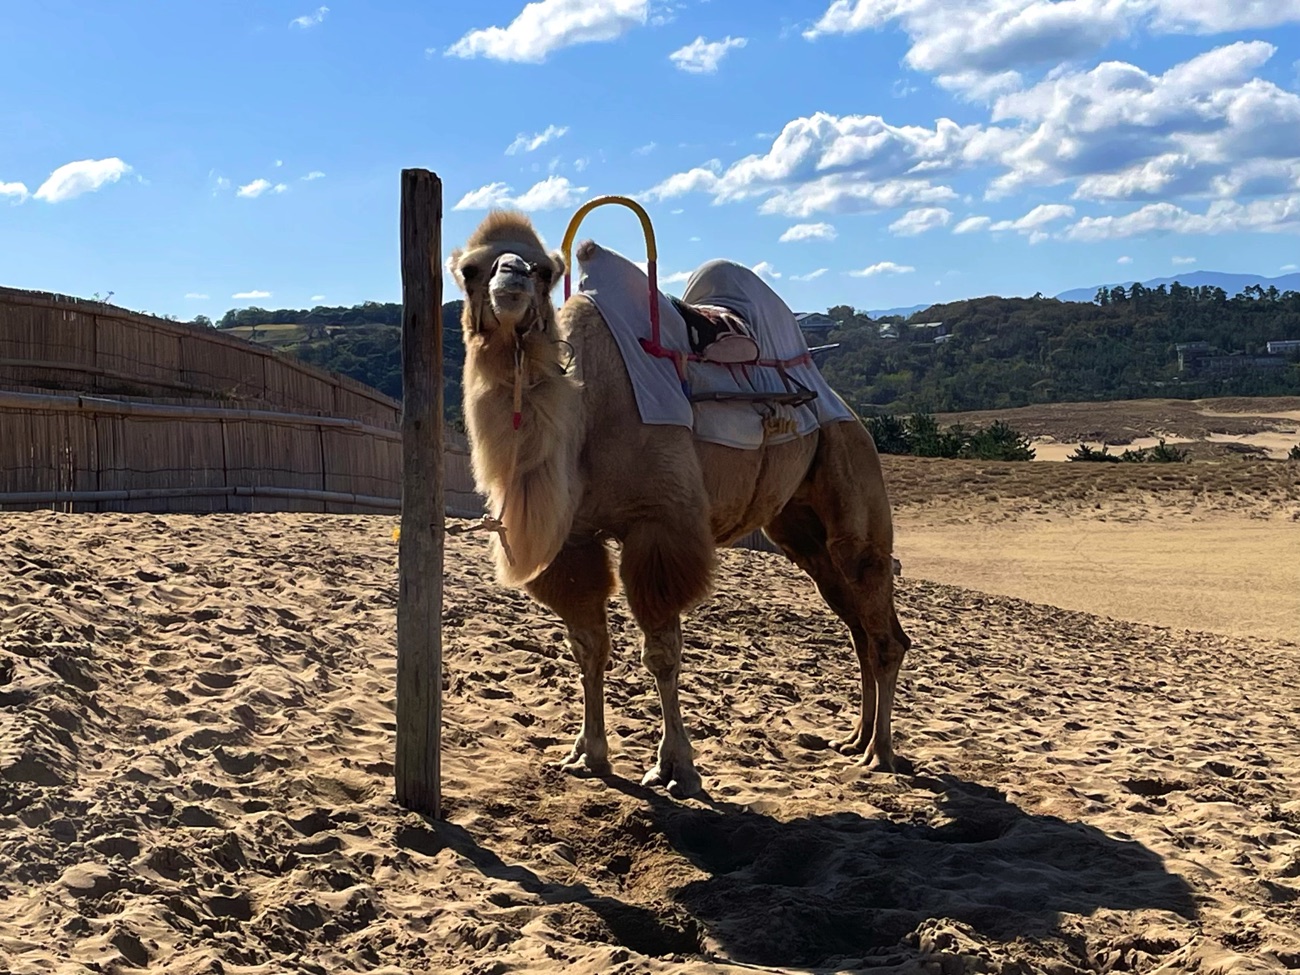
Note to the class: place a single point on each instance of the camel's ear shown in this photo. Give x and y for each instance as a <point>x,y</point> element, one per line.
<point>453,268</point>
<point>557,264</point>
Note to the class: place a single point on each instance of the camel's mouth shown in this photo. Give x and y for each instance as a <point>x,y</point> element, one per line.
<point>512,289</point>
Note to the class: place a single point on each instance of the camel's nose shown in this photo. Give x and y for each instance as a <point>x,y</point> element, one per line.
<point>512,274</point>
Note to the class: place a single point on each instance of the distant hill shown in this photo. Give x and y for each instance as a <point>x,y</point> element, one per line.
<point>906,312</point>
<point>996,353</point>
<point>1231,283</point>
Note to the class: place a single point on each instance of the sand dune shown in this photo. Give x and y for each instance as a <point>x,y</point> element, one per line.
<point>195,777</point>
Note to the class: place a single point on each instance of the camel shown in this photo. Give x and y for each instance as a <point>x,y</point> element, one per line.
<point>559,450</point>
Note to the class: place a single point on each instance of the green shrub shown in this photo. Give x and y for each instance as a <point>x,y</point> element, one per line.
<point>1162,453</point>
<point>997,442</point>
<point>1086,453</point>
<point>889,433</point>
<point>1295,452</point>
<point>921,436</point>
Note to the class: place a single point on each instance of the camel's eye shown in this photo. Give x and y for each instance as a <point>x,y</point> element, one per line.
<point>542,273</point>
<point>469,272</point>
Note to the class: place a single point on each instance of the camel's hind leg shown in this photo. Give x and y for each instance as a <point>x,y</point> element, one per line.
<point>838,529</point>
<point>667,568</point>
<point>577,585</point>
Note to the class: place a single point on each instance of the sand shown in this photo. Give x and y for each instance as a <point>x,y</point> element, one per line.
<point>196,740</point>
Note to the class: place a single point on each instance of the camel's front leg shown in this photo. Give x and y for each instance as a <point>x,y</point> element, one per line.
<point>675,768</point>
<point>577,585</point>
<point>590,755</point>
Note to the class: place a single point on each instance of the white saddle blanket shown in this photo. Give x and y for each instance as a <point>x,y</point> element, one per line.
<point>619,289</point>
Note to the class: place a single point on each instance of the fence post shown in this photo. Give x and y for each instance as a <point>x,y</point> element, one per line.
<point>418,766</point>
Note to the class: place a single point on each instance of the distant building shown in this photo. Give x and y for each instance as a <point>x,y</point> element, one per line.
<point>940,339</point>
<point>1234,365</point>
<point>1190,353</point>
<point>1284,347</point>
<point>1202,359</point>
<point>816,327</point>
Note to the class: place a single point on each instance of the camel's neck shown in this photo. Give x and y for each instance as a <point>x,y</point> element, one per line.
<point>524,415</point>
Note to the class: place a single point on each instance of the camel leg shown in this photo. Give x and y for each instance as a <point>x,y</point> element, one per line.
<point>800,534</point>
<point>666,569</point>
<point>577,585</point>
<point>839,530</point>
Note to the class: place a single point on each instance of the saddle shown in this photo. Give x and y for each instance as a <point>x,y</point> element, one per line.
<point>721,336</point>
<point>717,334</point>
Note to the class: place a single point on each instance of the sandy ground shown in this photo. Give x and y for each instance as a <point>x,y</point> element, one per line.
<point>1223,427</point>
<point>196,741</point>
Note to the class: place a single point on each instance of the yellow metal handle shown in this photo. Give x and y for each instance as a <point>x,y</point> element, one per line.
<point>651,250</point>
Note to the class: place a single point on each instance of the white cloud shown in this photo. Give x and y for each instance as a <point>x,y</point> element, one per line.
<point>1279,215</point>
<point>1184,260</point>
<point>646,149</point>
<point>703,57</point>
<point>1033,222</point>
<point>915,222</point>
<point>1224,16</point>
<point>84,176</point>
<point>1290,267</point>
<point>972,224</point>
<point>552,192</point>
<point>279,163</point>
<point>1207,126</point>
<point>259,186</point>
<point>549,194</point>
<point>677,277</point>
<point>14,192</point>
<point>980,47</point>
<point>884,267</point>
<point>545,26</point>
<point>485,197</point>
<point>314,174</point>
<point>249,295</point>
<point>531,143</point>
<point>851,164</point>
<point>809,231</point>
<point>765,270</point>
<point>317,297</point>
<point>317,16</point>
<point>810,276</point>
<point>195,296</point>
<point>1125,260</point>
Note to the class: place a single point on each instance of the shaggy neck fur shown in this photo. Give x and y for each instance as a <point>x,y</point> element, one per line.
<point>530,474</point>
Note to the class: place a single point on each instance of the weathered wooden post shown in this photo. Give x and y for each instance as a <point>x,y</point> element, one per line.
<point>419,599</point>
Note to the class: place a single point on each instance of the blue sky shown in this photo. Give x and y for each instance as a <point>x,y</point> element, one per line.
<point>194,157</point>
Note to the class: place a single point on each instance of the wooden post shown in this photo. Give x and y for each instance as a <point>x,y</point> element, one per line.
<point>419,597</point>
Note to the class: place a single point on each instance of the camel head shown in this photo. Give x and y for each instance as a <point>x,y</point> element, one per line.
<point>507,274</point>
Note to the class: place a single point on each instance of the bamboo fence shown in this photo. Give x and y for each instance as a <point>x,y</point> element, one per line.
<point>104,409</point>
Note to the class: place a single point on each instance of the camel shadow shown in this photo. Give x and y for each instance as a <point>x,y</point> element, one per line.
<point>803,892</point>
<point>813,892</point>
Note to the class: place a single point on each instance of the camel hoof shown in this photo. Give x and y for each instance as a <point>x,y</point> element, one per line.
<point>849,746</point>
<point>893,765</point>
<point>585,766</point>
<point>680,786</point>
